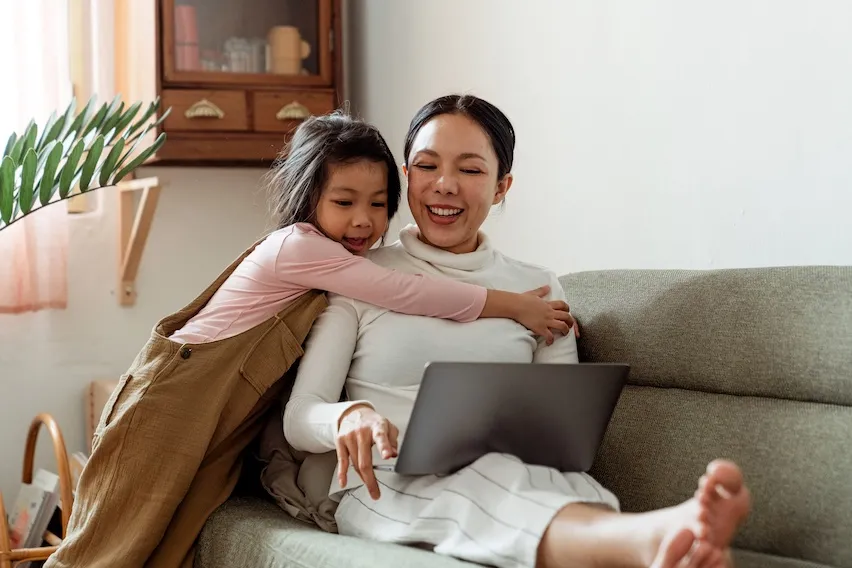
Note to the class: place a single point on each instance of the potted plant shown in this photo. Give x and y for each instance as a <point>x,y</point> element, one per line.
<point>93,148</point>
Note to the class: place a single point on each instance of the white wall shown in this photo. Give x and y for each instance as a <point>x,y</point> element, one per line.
<point>651,133</point>
<point>205,218</point>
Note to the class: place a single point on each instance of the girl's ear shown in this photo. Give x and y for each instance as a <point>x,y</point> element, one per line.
<point>503,188</point>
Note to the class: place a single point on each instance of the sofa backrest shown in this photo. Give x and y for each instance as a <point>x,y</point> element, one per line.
<point>753,365</point>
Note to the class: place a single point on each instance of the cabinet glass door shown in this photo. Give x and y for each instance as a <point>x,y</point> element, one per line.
<point>277,42</point>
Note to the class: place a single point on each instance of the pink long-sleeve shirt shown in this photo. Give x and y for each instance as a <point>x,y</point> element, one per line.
<point>298,258</point>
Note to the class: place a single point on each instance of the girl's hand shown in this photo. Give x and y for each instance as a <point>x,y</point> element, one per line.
<point>542,317</point>
<point>361,427</point>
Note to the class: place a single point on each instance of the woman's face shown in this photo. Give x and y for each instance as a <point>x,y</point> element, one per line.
<point>452,182</point>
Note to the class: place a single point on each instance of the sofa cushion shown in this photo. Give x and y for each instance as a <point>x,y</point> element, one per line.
<point>753,365</point>
<point>248,531</point>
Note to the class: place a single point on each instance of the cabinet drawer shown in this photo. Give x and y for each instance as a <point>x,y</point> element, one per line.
<point>205,110</point>
<point>282,111</point>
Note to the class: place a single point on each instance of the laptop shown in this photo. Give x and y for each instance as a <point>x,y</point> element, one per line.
<point>544,413</point>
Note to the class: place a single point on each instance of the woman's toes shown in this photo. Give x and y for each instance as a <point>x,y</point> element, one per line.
<point>673,549</point>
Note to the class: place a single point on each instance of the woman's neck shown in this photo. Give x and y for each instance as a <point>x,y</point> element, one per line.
<point>476,258</point>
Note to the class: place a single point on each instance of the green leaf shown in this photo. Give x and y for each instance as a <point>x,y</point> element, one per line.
<point>42,155</point>
<point>157,123</point>
<point>7,188</point>
<point>47,127</point>
<point>113,115</point>
<point>48,177</point>
<point>138,160</point>
<point>96,120</point>
<point>125,120</point>
<point>26,197</point>
<point>68,118</point>
<point>152,108</point>
<point>91,163</point>
<point>10,145</point>
<point>69,170</point>
<point>108,167</point>
<point>132,150</point>
<point>29,138</point>
<point>77,125</point>
<point>18,150</point>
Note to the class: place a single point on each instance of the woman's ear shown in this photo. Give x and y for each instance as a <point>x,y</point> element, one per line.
<point>404,171</point>
<point>503,188</point>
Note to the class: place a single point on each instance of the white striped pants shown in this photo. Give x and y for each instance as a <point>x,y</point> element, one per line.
<point>492,512</point>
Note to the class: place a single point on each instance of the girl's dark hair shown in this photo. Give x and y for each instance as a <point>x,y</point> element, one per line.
<point>301,170</point>
<point>492,120</point>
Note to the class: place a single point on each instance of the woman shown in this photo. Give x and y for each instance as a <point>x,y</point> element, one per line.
<point>497,511</point>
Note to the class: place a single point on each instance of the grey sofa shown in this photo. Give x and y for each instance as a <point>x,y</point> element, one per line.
<point>753,365</point>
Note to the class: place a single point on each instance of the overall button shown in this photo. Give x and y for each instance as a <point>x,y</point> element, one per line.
<point>185,352</point>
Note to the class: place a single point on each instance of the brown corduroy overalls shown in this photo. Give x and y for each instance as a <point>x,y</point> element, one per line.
<point>168,449</point>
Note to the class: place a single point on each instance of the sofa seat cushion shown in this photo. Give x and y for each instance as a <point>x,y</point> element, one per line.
<point>248,531</point>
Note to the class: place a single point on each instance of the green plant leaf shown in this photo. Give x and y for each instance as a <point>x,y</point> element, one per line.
<point>125,119</point>
<point>76,127</point>
<point>96,120</point>
<point>91,163</point>
<point>113,115</point>
<point>48,177</point>
<point>48,126</point>
<point>69,170</point>
<point>42,156</point>
<point>7,189</point>
<point>67,118</point>
<point>152,108</point>
<point>132,150</point>
<point>138,160</point>
<point>26,197</point>
<point>29,138</point>
<point>108,167</point>
<point>10,145</point>
<point>157,123</point>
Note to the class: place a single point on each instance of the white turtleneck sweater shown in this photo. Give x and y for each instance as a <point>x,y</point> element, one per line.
<point>378,356</point>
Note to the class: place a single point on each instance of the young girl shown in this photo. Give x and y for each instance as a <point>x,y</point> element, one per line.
<point>168,448</point>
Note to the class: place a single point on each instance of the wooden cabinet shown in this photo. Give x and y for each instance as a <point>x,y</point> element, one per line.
<point>239,76</point>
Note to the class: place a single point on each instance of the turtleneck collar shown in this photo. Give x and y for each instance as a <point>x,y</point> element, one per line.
<point>481,258</point>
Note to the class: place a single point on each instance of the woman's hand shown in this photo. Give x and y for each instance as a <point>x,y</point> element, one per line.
<point>360,427</point>
<point>542,317</point>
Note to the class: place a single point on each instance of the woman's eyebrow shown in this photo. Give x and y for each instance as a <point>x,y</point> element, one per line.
<point>467,155</point>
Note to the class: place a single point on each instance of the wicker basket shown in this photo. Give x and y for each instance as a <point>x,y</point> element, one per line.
<point>9,557</point>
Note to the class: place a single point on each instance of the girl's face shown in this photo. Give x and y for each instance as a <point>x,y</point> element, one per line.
<point>352,208</point>
<point>452,182</point>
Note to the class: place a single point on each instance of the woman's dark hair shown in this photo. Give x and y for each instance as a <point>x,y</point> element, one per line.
<point>301,171</point>
<point>492,120</point>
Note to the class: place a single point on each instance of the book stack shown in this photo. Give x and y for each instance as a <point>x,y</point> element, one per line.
<point>37,508</point>
<point>32,510</point>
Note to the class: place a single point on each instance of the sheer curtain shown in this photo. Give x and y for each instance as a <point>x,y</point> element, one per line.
<point>34,251</point>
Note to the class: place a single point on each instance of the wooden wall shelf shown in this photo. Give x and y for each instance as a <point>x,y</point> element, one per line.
<point>133,229</point>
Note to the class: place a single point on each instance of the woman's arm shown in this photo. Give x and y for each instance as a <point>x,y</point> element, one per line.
<point>564,347</point>
<point>312,414</point>
<point>311,260</point>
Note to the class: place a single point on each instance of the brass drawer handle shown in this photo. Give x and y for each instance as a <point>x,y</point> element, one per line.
<point>204,109</point>
<point>293,111</point>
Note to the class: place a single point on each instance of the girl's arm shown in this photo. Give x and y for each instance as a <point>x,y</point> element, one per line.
<point>311,260</point>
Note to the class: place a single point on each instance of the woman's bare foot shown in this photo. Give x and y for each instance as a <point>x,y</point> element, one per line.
<point>694,534</point>
<point>681,550</point>
<point>724,502</point>
<point>708,522</point>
